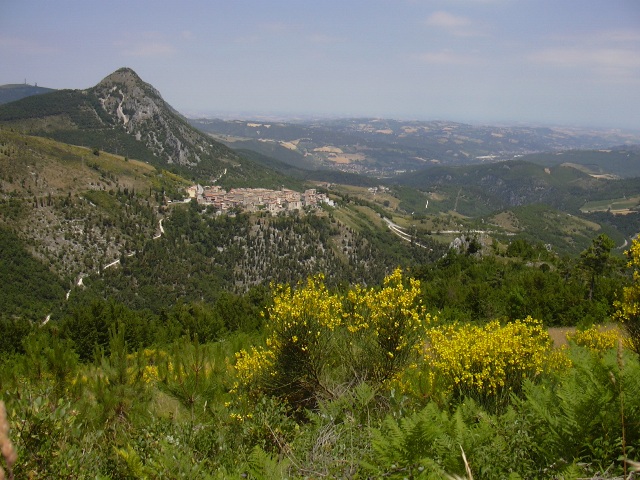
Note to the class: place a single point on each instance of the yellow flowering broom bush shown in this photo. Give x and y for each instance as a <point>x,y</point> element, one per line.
<point>598,339</point>
<point>490,361</point>
<point>628,309</point>
<point>318,341</point>
<point>300,327</point>
<point>386,326</point>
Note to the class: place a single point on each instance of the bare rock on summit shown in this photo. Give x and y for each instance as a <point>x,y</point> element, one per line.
<point>140,109</point>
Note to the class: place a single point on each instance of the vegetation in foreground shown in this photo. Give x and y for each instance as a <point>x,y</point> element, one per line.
<point>362,382</point>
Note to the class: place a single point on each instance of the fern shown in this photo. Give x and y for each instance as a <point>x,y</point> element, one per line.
<point>263,467</point>
<point>424,444</point>
<point>132,460</point>
<point>429,444</point>
<point>580,419</point>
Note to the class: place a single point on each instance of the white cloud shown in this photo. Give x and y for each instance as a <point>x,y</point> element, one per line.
<point>600,38</point>
<point>607,55</point>
<point>447,20</point>
<point>620,35</point>
<point>453,24</point>
<point>611,64</point>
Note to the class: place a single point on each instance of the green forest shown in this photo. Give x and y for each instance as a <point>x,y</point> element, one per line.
<point>443,369</point>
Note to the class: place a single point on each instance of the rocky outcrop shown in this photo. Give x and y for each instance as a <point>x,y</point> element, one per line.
<point>140,110</point>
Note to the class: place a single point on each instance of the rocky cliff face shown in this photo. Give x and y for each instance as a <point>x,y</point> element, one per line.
<point>139,109</point>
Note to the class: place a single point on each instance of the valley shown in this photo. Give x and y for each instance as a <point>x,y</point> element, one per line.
<point>344,298</point>
<point>384,148</point>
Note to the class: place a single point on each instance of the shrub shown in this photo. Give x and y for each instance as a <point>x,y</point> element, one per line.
<point>628,309</point>
<point>117,391</point>
<point>488,362</point>
<point>299,344</point>
<point>386,326</point>
<point>319,342</point>
<point>598,339</point>
<point>187,373</point>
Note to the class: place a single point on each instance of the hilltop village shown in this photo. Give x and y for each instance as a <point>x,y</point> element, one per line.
<point>257,199</point>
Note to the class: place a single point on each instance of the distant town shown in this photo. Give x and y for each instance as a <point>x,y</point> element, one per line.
<point>257,199</point>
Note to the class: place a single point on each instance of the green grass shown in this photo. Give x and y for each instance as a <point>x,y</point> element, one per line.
<point>611,204</point>
<point>39,166</point>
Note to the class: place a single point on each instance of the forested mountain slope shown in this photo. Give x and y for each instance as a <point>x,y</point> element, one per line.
<point>91,220</point>
<point>480,189</point>
<point>200,256</point>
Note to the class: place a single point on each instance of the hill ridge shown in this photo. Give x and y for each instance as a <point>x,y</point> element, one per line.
<point>16,91</point>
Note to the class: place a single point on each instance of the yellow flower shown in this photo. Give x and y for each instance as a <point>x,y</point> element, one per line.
<point>371,332</point>
<point>487,359</point>
<point>599,339</point>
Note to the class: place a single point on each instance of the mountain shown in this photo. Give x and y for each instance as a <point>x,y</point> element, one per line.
<point>126,116</point>
<point>89,224</point>
<point>476,190</point>
<point>93,224</point>
<point>615,162</point>
<point>384,147</point>
<point>16,91</point>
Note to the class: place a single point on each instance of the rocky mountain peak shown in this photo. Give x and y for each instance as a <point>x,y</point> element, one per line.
<point>124,77</point>
<point>139,108</point>
<point>124,95</point>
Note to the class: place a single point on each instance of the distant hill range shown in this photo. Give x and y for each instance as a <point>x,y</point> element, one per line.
<point>615,162</point>
<point>476,190</point>
<point>16,91</point>
<point>385,148</point>
<point>126,116</point>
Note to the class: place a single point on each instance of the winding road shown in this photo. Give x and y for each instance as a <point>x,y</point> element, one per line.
<point>398,230</point>
<point>80,282</point>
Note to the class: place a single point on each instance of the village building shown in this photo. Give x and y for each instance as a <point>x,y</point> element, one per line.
<point>257,199</point>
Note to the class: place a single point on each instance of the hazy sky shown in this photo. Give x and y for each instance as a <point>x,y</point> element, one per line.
<point>573,62</point>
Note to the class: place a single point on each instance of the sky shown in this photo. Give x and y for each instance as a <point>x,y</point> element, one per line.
<point>542,62</point>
